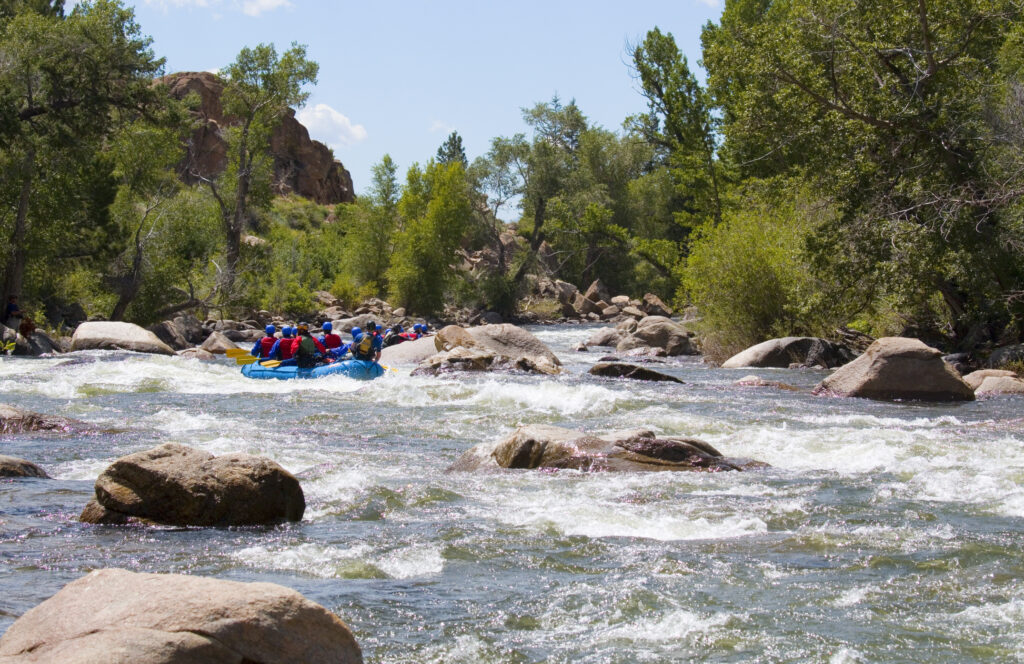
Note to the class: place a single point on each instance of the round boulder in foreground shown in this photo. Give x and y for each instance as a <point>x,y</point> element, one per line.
<point>181,486</point>
<point>120,617</point>
<point>898,368</point>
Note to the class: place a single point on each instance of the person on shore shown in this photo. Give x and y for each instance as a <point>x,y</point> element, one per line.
<point>263,347</point>
<point>308,350</point>
<point>13,313</point>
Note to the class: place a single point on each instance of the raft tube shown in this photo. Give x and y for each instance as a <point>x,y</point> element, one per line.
<point>358,369</point>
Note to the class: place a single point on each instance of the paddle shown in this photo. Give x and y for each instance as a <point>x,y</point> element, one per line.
<point>270,364</point>
<point>248,359</point>
<point>236,352</point>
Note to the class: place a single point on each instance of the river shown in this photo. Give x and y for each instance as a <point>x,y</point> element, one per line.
<point>882,532</point>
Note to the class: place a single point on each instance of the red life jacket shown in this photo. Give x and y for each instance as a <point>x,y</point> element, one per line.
<point>411,336</point>
<point>332,340</point>
<point>266,343</point>
<point>288,347</point>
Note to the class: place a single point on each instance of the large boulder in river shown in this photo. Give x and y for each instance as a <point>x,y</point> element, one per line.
<point>659,332</point>
<point>218,343</point>
<point>489,348</point>
<point>170,334</point>
<point>113,335</point>
<point>119,617</point>
<point>787,351</point>
<point>898,368</point>
<point>653,306</point>
<point>409,352</point>
<point>544,446</point>
<point>605,336</point>
<point>15,467</point>
<point>181,486</point>
<point>17,420</point>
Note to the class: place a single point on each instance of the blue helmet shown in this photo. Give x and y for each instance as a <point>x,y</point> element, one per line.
<point>379,327</point>
<point>327,327</point>
<point>417,328</point>
<point>286,332</point>
<point>269,330</point>
<point>356,332</point>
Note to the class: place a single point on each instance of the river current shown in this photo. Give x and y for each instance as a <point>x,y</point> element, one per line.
<point>882,532</point>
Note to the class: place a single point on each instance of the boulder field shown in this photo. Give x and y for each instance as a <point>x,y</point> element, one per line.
<point>120,617</point>
<point>181,486</point>
<point>543,446</point>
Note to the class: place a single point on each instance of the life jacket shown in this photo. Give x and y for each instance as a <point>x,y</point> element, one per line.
<point>392,338</point>
<point>363,350</point>
<point>409,336</point>
<point>266,344</point>
<point>287,348</point>
<point>331,341</point>
<point>305,352</point>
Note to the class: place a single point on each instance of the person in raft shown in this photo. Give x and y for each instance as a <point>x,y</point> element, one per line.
<point>282,348</point>
<point>364,345</point>
<point>394,336</point>
<point>263,347</point>
<point>329,339</point>
<point>308,351</point>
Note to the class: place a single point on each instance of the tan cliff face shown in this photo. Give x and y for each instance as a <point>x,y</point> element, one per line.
<point>301,165</point>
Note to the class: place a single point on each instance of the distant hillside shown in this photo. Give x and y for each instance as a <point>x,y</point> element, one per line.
<point>301,165</point>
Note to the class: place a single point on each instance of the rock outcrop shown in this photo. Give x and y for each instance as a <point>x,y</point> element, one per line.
<point>15,467</point>
<point>301,166</point>
<point>632,371</point>
<point>994,385</point>
<point>898,368</point>
<point>181,486</point>
<point>659,332</point>
<point>544,446</point>
<point>489,348</point>
<point>788,351</point>
<point>16,420</point>
<point>105,335</point>
<point>976,378</point>
<point>120,617</point>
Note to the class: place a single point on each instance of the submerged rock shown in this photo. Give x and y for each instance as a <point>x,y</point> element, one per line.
<point>787,351</point>
<point>16,420</point>
<point>544,446</point>
<point>179,485</point>
<point>757,381</point>
<point>120,617</point>
<point>15,467</point>
<point>898,368</point>
<point>624,370</point>
<point>108,335</point>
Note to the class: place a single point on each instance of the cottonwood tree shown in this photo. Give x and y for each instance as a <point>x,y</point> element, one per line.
<point>260,86</point>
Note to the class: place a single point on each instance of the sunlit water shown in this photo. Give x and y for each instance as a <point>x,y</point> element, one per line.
<point>881,533</point>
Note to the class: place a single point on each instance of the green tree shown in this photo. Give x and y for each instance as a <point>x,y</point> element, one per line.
<point>451,150</point>
<point>372,225</point>
<point>436,207</point>
<point>883,107</point>
<point>63,84</point>
<point>260,87</point>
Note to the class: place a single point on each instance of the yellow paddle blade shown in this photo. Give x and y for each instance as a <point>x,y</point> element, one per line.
<point>389,368</point>
<point>270,364</point>
<point>248,359</point>
<point>236,352</point>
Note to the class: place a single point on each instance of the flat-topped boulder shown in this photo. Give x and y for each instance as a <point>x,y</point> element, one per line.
<point>787,351</point>
<point>976,378</point>
<point>898,368</point>
<point>18,420</point>
<point>631,371</point>
<point>15,467</point>
<point>120,617</point>
<point>181,486</point>
<point>544,446</point>
<point>489,348</point>
<point>1000,385</point>
<point>409,352</point>
<point>114,335</point>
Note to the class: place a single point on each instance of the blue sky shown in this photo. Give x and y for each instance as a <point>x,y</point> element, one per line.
<point>397,77</point>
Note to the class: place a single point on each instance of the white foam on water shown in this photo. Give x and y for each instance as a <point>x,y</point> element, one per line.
<point>318,560</point>
<point>1009,614</point>
<point>412,561</point>
<point>548,397</point>
<point>846,656</point>
<point>854,596</point>
<point>677,625</point>
<point>866,421</point>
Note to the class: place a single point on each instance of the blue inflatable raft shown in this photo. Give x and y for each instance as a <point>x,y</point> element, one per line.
<point>358,369</point>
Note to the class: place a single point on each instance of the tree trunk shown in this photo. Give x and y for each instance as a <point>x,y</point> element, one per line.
<point>536,239</point>
<point>14,272</point>
<point>236,222</point>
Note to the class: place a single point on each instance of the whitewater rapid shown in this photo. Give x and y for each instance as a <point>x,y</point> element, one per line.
<point>881,532</point>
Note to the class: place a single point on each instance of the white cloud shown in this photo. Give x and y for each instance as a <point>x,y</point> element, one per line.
<point>328,125</point>
<point>714,4</point>
<point>437,126</point>
<point>248,7</point>
<point>257,7</point>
